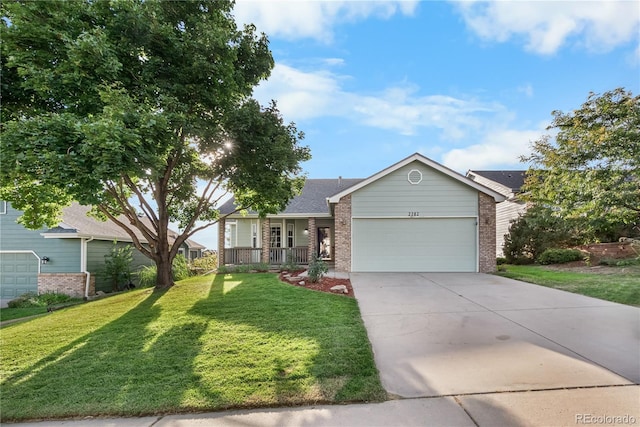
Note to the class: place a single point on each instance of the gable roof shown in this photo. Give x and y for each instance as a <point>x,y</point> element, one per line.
<point>312,199</point>
<point>426,161</point>
<point>511,179</point>
<point>76,224</point>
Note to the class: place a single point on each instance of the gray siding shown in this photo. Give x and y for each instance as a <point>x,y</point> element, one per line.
<point>394,196</point>
<point>64,254</point>
<point>242,238</point>
<point>506,212</point>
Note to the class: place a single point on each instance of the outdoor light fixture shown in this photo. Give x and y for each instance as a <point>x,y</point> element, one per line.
<point>45,259</point>
<point>306,231</point>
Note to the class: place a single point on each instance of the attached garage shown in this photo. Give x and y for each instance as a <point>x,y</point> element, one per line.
<point>415,216</point>
<point>18,273</point>
<point>414,244</point>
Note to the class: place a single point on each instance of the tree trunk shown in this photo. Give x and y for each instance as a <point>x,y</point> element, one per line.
<point>164,268</point>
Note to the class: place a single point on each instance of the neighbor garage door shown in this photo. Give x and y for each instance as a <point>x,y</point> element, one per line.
<point>414,244</point>
<point>18,273</point>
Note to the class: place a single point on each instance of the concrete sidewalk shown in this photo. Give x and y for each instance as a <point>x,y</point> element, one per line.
<point>604,406</point>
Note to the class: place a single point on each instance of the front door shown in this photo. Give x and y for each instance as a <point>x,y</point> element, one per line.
<point>324,242</point>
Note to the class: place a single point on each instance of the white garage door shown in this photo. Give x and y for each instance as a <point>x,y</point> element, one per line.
<point>414,244</point>
<point>18,273</point>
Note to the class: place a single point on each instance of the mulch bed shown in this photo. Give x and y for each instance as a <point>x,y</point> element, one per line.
<point>324,285</point>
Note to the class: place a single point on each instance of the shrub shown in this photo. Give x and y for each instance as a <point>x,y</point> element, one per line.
<point>31,299</point>
<point>206,263</point>
<point>290,265</point>
<point>180,268</point>
<point>117,266</point>
<point>560,256</point>
<point>501,260</point>
<point>317,269</point>
<point>535,231</point>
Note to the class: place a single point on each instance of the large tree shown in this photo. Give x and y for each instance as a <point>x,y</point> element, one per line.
<point>143,110</point>
<point>590,170</point>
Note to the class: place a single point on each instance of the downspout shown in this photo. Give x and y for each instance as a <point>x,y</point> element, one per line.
<point>83,256</point>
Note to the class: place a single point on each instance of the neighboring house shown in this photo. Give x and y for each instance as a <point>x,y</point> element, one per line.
<point>416,215</point>
<point>509,184</point>
<point>67,258</point>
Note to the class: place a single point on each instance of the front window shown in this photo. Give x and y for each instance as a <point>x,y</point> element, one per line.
<point>290,236</point>
<point>276,237</point>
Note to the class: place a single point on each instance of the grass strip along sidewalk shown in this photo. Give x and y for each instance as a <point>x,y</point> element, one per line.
<point>209,343</point>
<point>622,287</point>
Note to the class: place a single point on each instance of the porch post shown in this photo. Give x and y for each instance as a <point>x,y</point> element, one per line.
<point>221,241</point>
<point>266,240</point>
<point>311,237</point>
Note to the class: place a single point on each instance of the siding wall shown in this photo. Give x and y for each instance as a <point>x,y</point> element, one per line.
<point>64,253</point>
<point>436,195</point>
<point>244,231</point>
<point>505,212</point>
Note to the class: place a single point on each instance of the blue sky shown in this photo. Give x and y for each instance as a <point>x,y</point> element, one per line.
<point>468,84</point>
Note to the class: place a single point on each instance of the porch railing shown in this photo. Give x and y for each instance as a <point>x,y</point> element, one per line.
<point>238,256</point>
<point>297,255</point>
<point>277,256</point>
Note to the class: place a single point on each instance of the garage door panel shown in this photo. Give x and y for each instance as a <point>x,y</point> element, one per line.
<point>18,274</point>
<point>414,244</point>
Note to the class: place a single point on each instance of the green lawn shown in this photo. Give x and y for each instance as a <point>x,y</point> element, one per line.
<point>208,343</point>
<point>17,313</point>
<point>622,287</point>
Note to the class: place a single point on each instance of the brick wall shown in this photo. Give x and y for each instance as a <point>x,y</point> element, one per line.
<point>72,284</point>
<point>486,233</point>
<point>311,236</point>
<point>222,223</point>
<point>266,240</point>
<point>343,234</point>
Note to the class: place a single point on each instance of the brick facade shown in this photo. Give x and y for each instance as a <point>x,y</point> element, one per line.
<point>222,224</point>
<point>311,235</point>
<point>72,284</point>
<point>486,233</point>
<point>343,234</point>
<point>266,240</point>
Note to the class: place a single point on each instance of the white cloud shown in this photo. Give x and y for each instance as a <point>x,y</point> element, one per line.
<point>500,148</point>
<point>294,19</point>
<point>548,25</point>
<point>527,89</point>
<point>305,95</point>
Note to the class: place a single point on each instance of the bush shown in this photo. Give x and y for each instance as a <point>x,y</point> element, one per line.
<point>317,269</point>
<point>31,299</point>
<point>205,264</point>
<point>290,265</point>
<point>501,260</point>
<point>534,232</point>
<point>560,256</point>
<point>117,266</point>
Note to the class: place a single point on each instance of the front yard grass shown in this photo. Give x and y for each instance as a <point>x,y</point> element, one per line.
<point>621,287</point>
<point>209,343</point>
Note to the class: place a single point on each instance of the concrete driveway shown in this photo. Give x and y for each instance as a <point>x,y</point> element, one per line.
<point>451,334</point>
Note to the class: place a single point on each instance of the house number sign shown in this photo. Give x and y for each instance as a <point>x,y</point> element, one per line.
<point>414,214</point>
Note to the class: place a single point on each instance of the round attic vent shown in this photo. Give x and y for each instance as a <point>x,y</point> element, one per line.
<point>414,176</point>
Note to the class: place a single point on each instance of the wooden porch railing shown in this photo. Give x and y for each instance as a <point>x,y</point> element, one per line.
<point>277,256</point>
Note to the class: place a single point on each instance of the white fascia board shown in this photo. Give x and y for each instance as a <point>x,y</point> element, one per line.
<point>87,236</point>
<point>286,216</point>
<point>426,161</point>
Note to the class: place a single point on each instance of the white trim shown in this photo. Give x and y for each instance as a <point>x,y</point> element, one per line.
<point>283,216</point>
<point>426,161</point>
<point>126,239</point>
<point>293,229</point>
<point>476,217</point>
<point>25,252</point>
<point>409,177</point>
<point>416,217</point>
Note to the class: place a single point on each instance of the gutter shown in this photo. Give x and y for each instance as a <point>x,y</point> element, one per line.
<point>83,256</point>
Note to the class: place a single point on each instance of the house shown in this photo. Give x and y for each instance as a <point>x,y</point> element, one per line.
<point>415,215</point>
<point>509,184</point>
<point>67,258</point>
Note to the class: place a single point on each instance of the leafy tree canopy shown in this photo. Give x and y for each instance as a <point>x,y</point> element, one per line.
<point>142,109</point>
<point>591,169</point>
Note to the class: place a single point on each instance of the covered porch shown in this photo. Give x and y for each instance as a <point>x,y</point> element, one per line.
<point>275,241</point>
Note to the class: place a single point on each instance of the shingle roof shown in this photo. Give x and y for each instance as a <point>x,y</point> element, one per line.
<point>76,221</point>
<point>312,200</point>
<point>510,179</point>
